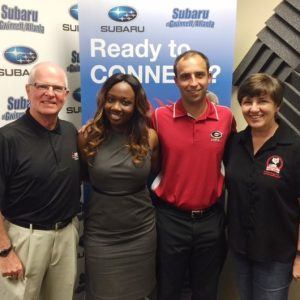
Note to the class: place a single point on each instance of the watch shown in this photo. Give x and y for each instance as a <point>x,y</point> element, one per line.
<point>5,252</point>
<point>298,252</point>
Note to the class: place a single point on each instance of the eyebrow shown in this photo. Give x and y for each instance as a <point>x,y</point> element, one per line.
<point>190,73</point>
<point>119,97</point>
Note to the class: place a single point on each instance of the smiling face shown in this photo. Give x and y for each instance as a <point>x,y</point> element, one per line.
<point>119,105</point>
<point>259,112</point>
<point>46,102</point>
<point>192,79</point>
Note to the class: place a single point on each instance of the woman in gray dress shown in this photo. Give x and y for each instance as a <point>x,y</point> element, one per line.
<point>119,236</point>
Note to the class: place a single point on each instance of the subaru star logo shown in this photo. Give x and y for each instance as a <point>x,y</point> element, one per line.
<point>122,13</point>
<point>20,55</point>
<point>77,95</point>
<point>74,11</point>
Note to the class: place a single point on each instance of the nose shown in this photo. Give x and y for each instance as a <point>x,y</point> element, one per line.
<point>193,81</point>
<point>254,107</point>
<point>116,106</point>
<point>50,91</point>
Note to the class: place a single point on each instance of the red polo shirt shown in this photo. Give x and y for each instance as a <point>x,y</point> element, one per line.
<point>192,173</point>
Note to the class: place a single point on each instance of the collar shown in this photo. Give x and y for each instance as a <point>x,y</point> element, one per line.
<point>210,112</point>
<point>283,135</point>
<point>35,125</point>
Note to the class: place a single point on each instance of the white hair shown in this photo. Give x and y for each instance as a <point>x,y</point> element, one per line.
<point>32,74</point>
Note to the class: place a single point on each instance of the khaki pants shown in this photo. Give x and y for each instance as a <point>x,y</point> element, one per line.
<point>50,261</point>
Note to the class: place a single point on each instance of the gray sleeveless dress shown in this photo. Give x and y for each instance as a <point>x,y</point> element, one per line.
<point>120,235</point>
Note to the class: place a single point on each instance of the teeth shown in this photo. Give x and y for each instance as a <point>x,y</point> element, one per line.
<point>115,116</point>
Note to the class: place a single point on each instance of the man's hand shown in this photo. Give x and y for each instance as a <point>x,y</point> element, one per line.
<point>11,266</point>
<point>296,268</point>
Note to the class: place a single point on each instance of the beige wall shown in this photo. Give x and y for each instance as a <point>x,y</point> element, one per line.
<point>251,17</point>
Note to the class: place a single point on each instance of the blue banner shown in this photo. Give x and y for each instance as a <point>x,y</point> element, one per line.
<point>144,38</point>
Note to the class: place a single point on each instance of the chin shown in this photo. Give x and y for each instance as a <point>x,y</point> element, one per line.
<point>50,112</point>
<point>195,100</point>
<point>254,125</point>
<point>116,123</point>
<point>258,125</point>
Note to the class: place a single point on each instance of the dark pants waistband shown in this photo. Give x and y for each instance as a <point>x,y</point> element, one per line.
<point>192,214</point>
<point>56,226</point>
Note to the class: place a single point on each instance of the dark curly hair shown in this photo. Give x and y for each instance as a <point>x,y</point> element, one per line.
<point>99,127</point>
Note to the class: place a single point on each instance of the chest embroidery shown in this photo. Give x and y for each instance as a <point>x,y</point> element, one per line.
<point>75,155</point>
<point>216,136</point>
<point>274,165</point>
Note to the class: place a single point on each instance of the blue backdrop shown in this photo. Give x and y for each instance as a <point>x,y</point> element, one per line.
<point>143,38</point>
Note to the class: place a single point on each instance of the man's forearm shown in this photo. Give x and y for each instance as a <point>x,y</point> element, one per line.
<point>4,239</point>
<point>298,245</point>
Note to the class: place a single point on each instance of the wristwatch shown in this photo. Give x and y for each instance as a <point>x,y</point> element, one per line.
<point>298,252</point>
<point>5,252</point>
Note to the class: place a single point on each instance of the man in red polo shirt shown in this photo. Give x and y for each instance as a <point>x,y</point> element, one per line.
<point>190,218</point>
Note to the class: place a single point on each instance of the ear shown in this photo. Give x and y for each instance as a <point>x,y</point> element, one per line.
<point>66,96</point>
<point>27,87</point>
<point>175,79</point>
<point>209,77</point>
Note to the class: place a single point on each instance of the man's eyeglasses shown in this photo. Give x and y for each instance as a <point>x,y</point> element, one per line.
<point>43,87</point>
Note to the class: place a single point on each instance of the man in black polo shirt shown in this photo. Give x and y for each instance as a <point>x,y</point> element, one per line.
<point>39,194</point>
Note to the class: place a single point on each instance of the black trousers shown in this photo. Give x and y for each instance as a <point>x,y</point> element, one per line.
<point>197,245</point>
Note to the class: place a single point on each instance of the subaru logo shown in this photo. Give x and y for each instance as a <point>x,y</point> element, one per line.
<point>20,55</point>
<point>74,11</point>
<point>122,13</point>
<point>77,95</point>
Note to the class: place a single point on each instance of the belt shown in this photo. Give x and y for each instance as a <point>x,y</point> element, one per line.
<point>99,191</point>
<point>56,226</point>
<point>191,214</point>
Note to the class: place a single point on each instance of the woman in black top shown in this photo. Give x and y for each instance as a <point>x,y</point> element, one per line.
<point>263,182</point>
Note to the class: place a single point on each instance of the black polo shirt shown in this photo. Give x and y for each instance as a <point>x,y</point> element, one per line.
<point>262,195</point>
<point>39,171</point>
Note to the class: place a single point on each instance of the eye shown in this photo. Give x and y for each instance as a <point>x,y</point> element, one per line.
<point>262,100</point>
<point>184,76</point>
<point>126,102</point>
<point>42,86</point>
<point>246,102</point>
<point>58,88</point>
<point>200,74</point>
<point>109,99</point>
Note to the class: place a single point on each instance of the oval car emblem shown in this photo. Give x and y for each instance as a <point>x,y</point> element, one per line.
<point>77,95</point>
<point>74,11</point>
<point>122,13</point>
<point>20,55</point>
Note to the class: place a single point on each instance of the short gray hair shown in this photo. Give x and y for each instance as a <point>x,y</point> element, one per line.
<point>31,77</point>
